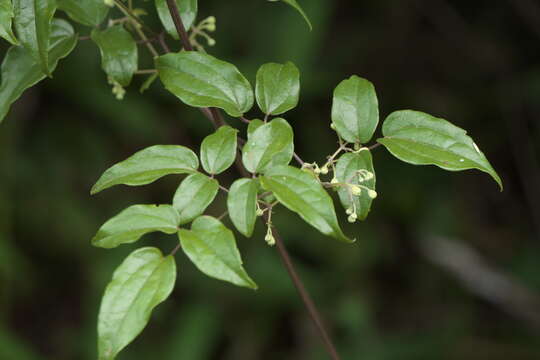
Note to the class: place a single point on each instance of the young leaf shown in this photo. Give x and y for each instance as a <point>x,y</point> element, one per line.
<point>355,169</point>
<point>212,248</point>
<point>296,6</point>
<point>201,80</point>
<point>6,14</point>
<point>421,139</point>
<point>148,165</point>
<point>218,150</point>
<point>119,54</point>
<point>269,145</point>
<point>33,22</point>
<point>242,205</point>
<point>193,196</point>
<point>144,280</point>
<point>135,221</point>
<point>188,13</point>
<point>86,12</point>
<point>278,88</point>
<point>20,70</point>
<point>355,110</point>
<point>300,192</point>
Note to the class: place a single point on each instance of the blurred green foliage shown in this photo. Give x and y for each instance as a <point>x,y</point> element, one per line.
<point>476,64</point>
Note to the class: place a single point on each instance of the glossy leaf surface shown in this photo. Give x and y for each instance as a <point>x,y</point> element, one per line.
<point>193,196</point>
<point>268,146</point>
<point>33,22</point>
<point>20,70</point>
<point>6,16</point>
<point>188,13</point>
<point>148,165</point>
<point>212,248</point>
<point>355,110</point>
<point>135,221</point>
<point>201,80</point>
<point>144,280</point>
<point>218,150</point>
<point>278,88</point>
<point>300,192</point>
<point>242,205</point>
<point>421,139</point>
<point>86,12</point>
<point>119,54</point>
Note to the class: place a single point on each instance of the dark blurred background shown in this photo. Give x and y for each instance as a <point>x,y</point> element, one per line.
<point>445,267</point>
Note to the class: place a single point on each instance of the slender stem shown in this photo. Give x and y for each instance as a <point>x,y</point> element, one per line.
<point>175,13</point>
<point>216,120</point>
<point>163,44</point>
<point>299,285</point>
<point>130,14</point>
<point>175,250</point>
<point>297,158</point>
<point>223,188</point>
<point>147,43</point>
<point>374,146</point>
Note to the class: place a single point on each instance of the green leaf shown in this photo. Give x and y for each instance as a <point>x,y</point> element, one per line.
<point>269,145</point>
<point>295,5</point>
<point>218,150</point>
<point>119,54</point>
<point>188,13</point>
<point>278,88</point>
<point>86,12</point>
<point>347,172</point>
<point>139,284</point>
<point>242,205</point>
<point>148,165</point>
<point>201,80</point>
<point>355,110</point>
<point>33,22</point>
<point>193,196</point>
<point>300,192</point>
<point>135,221</point>
<point>254,125</point>
<point>212,248</point>
<point>6,14</point>
<point>20,70</point>
<point>421,139</point>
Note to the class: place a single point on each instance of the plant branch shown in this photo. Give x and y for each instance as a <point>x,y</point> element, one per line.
<point>175,14</point>
<point>299,285</point>
<point>216,119</point>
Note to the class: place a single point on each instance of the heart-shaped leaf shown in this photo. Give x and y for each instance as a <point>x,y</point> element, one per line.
<point>278,88</point>
<point>218,150</point>
<point>212,248</point>
<point>148,165</point>
<point>421,139</point>
<point>135,221</point>
<point>139,284</point>
<point>300,192</point>
<point>201,80</point>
